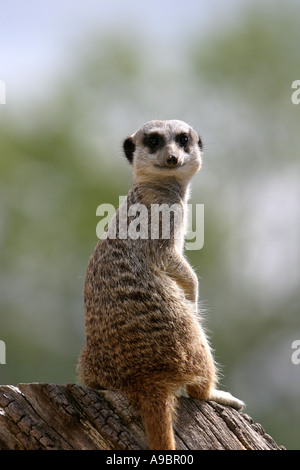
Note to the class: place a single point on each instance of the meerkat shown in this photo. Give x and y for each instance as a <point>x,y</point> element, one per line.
<point>143,331</point>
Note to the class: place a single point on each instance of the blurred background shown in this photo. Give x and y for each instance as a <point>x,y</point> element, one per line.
<point>82,75</point>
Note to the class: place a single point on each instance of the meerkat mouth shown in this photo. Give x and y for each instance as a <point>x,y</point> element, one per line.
<point>169,168</point>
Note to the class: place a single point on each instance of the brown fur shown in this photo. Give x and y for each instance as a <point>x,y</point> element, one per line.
<point>143,333</point>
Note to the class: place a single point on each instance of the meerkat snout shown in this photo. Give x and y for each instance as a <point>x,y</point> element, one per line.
<point>171,160</point>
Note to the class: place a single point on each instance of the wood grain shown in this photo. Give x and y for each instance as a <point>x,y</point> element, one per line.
<point>65,417</point>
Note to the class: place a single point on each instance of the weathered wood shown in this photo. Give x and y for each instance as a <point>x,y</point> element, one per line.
<point>47,416</point>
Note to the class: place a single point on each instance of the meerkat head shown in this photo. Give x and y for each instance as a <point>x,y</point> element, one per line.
<point>164,150</point>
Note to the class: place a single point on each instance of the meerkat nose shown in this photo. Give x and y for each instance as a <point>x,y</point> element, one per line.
<point>171,160</point>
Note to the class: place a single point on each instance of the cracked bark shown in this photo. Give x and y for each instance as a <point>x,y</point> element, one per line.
<point>65,417</point>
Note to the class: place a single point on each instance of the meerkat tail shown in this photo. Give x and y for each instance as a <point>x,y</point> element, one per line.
<point>157,412</point>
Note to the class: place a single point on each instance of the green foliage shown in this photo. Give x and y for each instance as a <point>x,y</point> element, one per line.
<point>257,59</point>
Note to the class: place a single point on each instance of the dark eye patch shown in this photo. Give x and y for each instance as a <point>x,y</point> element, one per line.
<point>182,139</point>
<point>153,141</point>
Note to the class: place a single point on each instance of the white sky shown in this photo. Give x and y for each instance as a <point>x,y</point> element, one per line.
<point>36,36</point>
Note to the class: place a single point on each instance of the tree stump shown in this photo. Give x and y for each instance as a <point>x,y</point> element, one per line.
<point>67,417</point>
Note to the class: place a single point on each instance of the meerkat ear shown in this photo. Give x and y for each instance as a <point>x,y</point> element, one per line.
<point>200,143</point>
<point>129,148</point>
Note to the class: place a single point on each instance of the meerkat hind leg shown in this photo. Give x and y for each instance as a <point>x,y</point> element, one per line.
<point>224,398</point>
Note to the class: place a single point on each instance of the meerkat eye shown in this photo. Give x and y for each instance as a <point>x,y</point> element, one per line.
<point>152,141</point>
<point>182,140</point>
